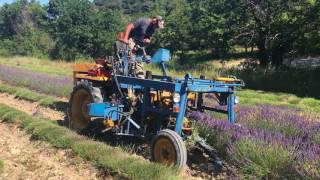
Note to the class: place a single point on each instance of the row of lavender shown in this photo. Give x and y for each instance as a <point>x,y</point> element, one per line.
<point>41,82</point>
<point>267,141</point>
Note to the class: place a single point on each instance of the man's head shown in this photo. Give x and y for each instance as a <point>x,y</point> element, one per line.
<point>158,22</point>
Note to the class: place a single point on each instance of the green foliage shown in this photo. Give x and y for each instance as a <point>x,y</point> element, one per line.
<point>100,154</point>
<point>22,30</point>
<point>274,26</point>
<point>263,161</point>
<point>31,96</point>
<point>128,7</point>
<point>317,138</point>
<point>176,35</point>
<point>302,82</point>
<point>82,31</point>
<point>252,97</point>
<point>217,139</point>
<point>61,68</point>
<point>1,166</point>
<point>312,170</point>
<point>72,29</point>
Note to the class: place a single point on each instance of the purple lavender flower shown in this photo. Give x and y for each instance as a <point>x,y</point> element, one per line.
<point>280,121</point>
<point>54,85</point>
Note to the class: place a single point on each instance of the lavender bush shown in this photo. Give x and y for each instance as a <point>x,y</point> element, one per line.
<point>49,84</point>
<point>267,141</point>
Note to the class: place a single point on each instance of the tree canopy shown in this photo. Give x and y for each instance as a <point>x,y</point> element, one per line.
<point>71,29</point>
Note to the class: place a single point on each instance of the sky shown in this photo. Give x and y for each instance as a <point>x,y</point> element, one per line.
<point>10,1</point>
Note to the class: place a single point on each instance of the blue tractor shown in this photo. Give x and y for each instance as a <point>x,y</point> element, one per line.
<point>153,107</point>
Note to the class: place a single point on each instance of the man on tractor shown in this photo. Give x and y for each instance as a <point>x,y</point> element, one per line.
<point>138,34</point>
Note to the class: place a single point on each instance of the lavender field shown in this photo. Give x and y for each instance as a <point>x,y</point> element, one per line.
<point>267,141</point>
<point>41,82</point>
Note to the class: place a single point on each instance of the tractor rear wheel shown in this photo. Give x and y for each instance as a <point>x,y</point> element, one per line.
<point>168,148</point>
<point>82,95</point>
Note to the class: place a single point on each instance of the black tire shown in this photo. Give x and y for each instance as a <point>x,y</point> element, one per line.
<point>168,148</point>
<point>77,113</point>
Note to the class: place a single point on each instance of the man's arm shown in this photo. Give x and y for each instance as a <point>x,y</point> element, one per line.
<point>125,36</point>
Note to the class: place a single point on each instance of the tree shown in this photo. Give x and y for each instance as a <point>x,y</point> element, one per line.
<point>273,25</point>
<point>175,36</point>
<point>23,29</point>
<point>81,30</point>
<point>127,7</point>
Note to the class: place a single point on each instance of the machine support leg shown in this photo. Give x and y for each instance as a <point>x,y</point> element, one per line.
<point>146,102</point>
<point>200,98</point>
<point>183,104</point>
<point>231,108</point>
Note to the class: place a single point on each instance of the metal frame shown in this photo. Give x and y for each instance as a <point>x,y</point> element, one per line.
<point>183,87</point>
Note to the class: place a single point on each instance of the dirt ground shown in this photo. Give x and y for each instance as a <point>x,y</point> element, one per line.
<point>27,159</point>
<point>30,108</point>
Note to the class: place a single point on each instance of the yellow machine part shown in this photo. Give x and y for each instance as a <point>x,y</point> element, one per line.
<point>108,123</point>
<point>192,96</point>
<point>225,79</point>
<point>166,97</point>
<point>80,71</point>
<point>186,124</point>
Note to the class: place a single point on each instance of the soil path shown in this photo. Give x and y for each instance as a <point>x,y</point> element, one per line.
<point>197,165</point>
<point>30,108</point>
<point>27,159</point>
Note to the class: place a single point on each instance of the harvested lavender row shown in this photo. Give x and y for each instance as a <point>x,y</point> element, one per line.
<point>41,82</point>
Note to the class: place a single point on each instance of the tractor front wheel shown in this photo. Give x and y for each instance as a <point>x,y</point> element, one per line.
<point>168,148</point>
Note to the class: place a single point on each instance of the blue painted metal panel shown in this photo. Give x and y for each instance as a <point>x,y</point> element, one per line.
<point>104,110</point>
<point>160,85</point>
<point>183,106</point>
<point>207,88</point>
<point>126,86</point>
<point>231,108</point>
<point>161,55</point>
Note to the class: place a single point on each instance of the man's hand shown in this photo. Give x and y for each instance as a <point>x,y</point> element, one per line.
<point>147,59</point>
<point>147,40</point>
<point>131,43</point>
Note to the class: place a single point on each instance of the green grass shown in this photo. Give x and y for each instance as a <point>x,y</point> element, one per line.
<point>263,161</point>
<point>303,82</point>
<point>101,155</point>
<point>1,166</point>
<point>219,138</point>
<point>316,138</point>
<point>176,71</point>
<point>39,65</point>
<point>28,95</point>
<point>252,97</point>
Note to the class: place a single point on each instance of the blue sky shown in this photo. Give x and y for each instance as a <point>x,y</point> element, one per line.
<point>10,1</point>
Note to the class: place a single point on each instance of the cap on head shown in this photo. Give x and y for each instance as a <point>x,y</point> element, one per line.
<point>159,21</point>
<point>159,18</point>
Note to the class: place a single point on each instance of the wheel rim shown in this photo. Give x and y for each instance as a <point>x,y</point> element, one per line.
<point>164,152</point>
<point>79,109</point>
